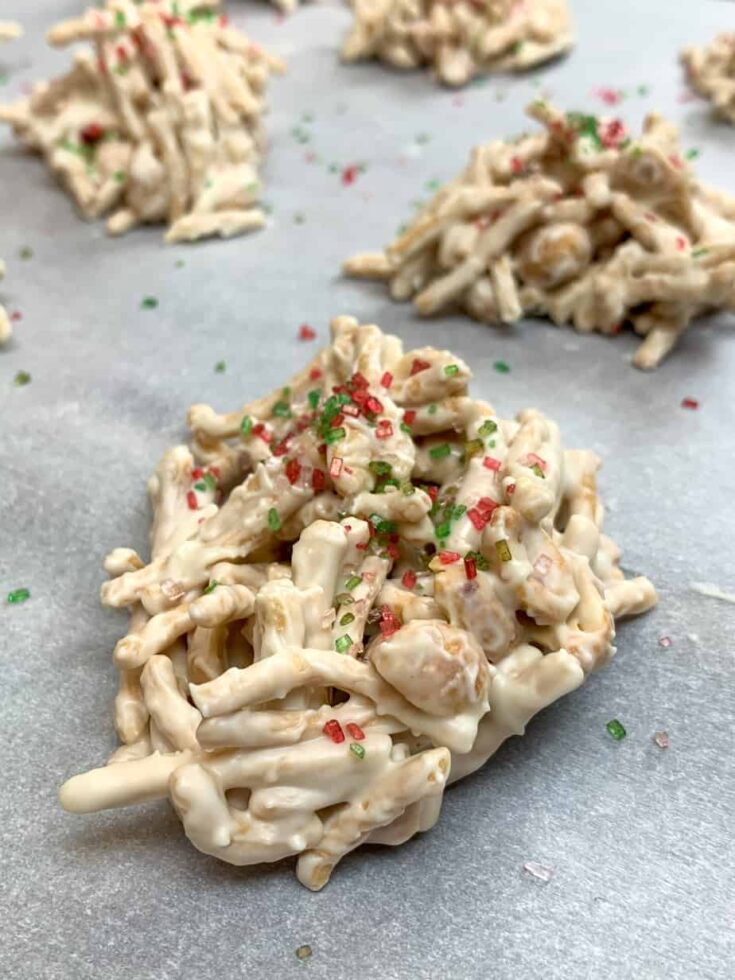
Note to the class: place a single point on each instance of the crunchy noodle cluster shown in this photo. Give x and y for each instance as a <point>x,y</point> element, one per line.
<point>359,587</point>
<point>161,122</point>
<point>579,223</point>
<point>460,38</point>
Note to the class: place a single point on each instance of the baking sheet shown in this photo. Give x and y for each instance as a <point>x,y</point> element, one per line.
<point>640,839</point>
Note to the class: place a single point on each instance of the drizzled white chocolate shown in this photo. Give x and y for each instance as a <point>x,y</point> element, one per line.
<point>711,71</point>
<point>159,123</point>
<point>579,223</point>
<point>460,39</point>
<point>359,587</point>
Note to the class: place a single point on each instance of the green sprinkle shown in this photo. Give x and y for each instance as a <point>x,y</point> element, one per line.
<point>699,252</point>
<point>616,730</point>
<point>313,398</point>
<point>209,481</point>
<point>120,176</point>
<point>274,521</point>
<point>390,482</point>
<point>488,427</point>
<point>451,370</point>
<point>585,126</point>
<point>246,426</point>
<point>382,526</point>
<point>439,452</point>
<point>643,90</point>
<point>357,750</point>
<point>149,303</point>
<point>347,619</point>
<point>352,582</point>
<point>334,435</point>
<point>303,952</point>
<point>538,471</point>
<point>179,264</point>
<point>220,367</point>
<point>380,468</point>
<point>299,218</point>
<point>22,378</point>
<point>473,448</point>
<point>501,367</point>
<point>692,154</point>
<point>282,410</point>
<point>423,138</point>
<point>120,19</point>
<point>26,253</point>
<point>479,559</point>
<point>443,530</point>
<point>433,408</point>
<point>433,185</point>
<point>211,587</point>
<point>408,489</point>
<point>405,428</point>
<point>18,596</point>
<point>343,599</point>
<point>503,550</point>
<point>343,644</point>
<point>201,487</point>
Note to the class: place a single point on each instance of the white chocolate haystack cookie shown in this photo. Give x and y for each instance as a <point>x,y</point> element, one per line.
<point>579,223</point>
<point>460,38</point>
<point>160,123</point>
<point>711,71</point>
<point>359,587</point>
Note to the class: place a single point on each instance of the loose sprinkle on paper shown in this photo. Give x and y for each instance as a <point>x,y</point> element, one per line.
<point>303,952</point>
<point>149,303</point>
<point>662,739</point>
<point>26,253</point>
<point>18,596</point>
<point>616,730</point>
<point>540,871</point>
<point>664,641</point>
<point>501,367</point>
<point>22,378</point>
<point>306,332</point>
<point>220,367</point>
<point>690,403</point>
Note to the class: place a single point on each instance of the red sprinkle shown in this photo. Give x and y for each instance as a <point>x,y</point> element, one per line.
<point>91,134</point>
<point>487,507</point>
<point>409,416</point>
<point>215,471</point>
<point>393,550</point>
<point>479,521</point>
<point>387,380</point>
<point>333,730</point>
<point>408,581</point>
<point>351,410</point>
<point>354,731</point>
<point>384,429</point>
<point>689,403</point>
<point>282,448</point>
<point>510,489</point>
<point>197,473</point>
<point>373,405</point>
<point>389,622</point>
<point>608,95</point>
<point>490,463</point>
<point>433,493</point>
<point>191,499</point>
<point>314,374</point>
<point>349,175</point>
<point>681,243</point>
<point>336,468</point>
<point>293,470</point>
<point>516,165</point>
<point>448,557</point>
<point>318,480</point>
<point>261,431</point>
<point>535,460</point>
<point>306,332</point>
<point>470,568</point>
<point>359,380</point>
<point>419,365</point>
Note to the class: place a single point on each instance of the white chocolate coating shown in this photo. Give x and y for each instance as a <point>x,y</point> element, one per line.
<point>305,664</point>
<point>459,39</point>
<point>159,123</point>
<point>579,223</point>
